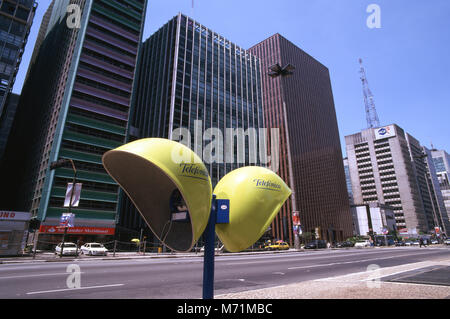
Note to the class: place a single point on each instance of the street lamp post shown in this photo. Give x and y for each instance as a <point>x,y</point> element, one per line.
<point>58,164</point>
<point>276,71</point>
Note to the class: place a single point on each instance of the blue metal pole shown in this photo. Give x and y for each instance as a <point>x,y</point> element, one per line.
<point>208,258</point>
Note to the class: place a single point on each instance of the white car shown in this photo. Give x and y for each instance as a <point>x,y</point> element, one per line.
<point>94,249</point>
<point>447,241</point>
<point>216,249</point>
<point>70,249</point>
<point>361,244</point>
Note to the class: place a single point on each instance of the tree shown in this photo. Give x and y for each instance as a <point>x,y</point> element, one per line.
<point>307,237</point>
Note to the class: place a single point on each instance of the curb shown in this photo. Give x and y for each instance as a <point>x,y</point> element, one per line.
<point>18,260</point>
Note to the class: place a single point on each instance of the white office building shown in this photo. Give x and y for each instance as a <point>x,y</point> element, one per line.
<point>389,166</point>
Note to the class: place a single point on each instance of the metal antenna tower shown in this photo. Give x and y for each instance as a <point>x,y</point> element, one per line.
<point>371,112</point>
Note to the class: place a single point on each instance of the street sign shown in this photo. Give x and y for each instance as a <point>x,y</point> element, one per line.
<point>296,218</point>
<point>297,230</point>
<point>67,220</point>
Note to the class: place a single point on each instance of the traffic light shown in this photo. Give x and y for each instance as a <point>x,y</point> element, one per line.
<point>34,224</point>
<point>59,163</point>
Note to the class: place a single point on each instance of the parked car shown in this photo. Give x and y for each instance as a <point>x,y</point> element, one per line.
<point>362,243</point>
<point>447,241</point>
<point>94,249</point>
<point>280,245</point>
<point>70,249</point>
<point>316,244</point>
<point>400,243</point>
<point>434,242</point>
<point>216,249</point>
<point>390,242</point>
<point>344,244</point>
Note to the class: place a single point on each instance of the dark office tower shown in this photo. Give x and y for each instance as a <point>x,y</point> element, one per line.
<point>193,78</point>
<point>16,18</point>
<point>75,105</point>
<point>309,126</point>
<point>7,119</point>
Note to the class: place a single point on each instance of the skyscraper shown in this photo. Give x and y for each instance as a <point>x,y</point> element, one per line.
<point>16,18</point>
<point>75,105</point>
<point>192,78</point>
<point>441,163</point>
<point>7,119</point>
<point>302,106</point>
<point>441,160</point>
<point>389,166</point>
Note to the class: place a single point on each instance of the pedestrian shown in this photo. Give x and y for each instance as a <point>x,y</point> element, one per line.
<point>421,242</point>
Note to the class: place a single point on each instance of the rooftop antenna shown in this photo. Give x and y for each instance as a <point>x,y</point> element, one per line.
<point>371,112</point>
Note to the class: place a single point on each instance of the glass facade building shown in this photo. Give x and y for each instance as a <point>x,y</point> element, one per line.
<point>441,161</point>
<point>193,78</point>
<point>16,18</point>
<point>75,105</point>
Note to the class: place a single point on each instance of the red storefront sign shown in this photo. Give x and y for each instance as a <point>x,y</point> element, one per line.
<point>77,230</point>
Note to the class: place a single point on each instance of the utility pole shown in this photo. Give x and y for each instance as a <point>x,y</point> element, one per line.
<point>371,112</point>
<point>58,164</point>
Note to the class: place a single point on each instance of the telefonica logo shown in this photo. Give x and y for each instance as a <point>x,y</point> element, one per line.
<point>265,184</point>
<point>382,131</point>
<point>193,171</point>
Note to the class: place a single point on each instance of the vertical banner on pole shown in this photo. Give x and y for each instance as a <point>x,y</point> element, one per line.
<point>296,223</point>
<point>75,196</point>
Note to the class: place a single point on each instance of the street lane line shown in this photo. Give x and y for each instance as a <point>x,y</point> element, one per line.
<point>353,261</point>
<point>73,289</point>
<point>38,275</point>
<point>387,271</point>
<point>301,257</point>
<point>230,261</point>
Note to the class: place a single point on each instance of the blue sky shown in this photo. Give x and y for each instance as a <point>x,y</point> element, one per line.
<point>407,59</point>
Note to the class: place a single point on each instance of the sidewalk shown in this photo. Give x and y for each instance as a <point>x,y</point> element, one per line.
<point>373,284</point>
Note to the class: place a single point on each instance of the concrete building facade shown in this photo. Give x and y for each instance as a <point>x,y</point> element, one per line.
<point>390,167</point>
<point>74,105</point>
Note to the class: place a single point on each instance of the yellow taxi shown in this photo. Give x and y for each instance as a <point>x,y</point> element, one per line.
<point>279,245</point>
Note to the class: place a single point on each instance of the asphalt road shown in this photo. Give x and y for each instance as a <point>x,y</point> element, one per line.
<point>181,278</point>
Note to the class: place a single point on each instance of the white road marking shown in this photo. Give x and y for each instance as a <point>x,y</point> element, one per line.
<point>73,289</point>
<point>37,275</point>
<point>387,271</point>
<point>351,262</point>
